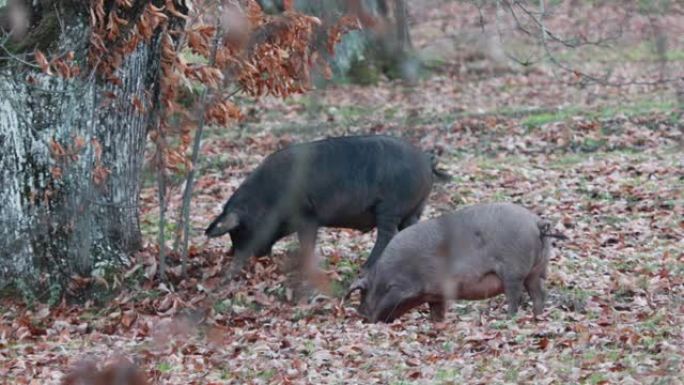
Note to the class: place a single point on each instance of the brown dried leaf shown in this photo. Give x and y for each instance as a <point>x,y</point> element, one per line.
<point>128,318</point>
<point>56,149</point>
<point>42,62</point>
<point>138,104</point>
<point>100,175</point>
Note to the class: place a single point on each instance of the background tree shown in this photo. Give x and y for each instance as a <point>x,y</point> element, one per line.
<point>82,89</point>
<point>382,46</point>
<point>72,136</point>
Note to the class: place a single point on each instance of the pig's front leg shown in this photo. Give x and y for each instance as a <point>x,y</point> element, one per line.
<point>307,235</point>
<point>237,264</point>
<point>437,310</point>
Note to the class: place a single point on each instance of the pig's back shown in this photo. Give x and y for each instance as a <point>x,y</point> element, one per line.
<point>494,228</point>
<point>495,218</point>
<point>350,160</point>
<point>426,241</point>
<point>494,236</point>
<point>339,180</point>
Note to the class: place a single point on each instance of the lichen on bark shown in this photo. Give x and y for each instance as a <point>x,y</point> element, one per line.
<point>56,221</point>
<point>46,18</point>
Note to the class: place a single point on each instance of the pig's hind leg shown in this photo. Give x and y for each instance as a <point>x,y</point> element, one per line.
<point>534,283</point>
<point>409,221</point>
<point>513,289</point>
<point>412,218</point>
<point>514,273</point>
<point>535,288</point>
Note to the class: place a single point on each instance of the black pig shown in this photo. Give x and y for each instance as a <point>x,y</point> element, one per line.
<point>356,182</point>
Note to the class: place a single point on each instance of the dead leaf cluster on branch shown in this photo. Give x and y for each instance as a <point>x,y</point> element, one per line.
<point>256,54</point>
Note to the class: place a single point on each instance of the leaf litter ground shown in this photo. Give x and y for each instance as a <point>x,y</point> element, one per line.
<point>604,164</point>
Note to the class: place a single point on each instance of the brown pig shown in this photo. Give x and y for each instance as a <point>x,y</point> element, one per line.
<point>476,252</point>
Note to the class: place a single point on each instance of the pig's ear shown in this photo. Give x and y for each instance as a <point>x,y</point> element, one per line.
<point>359,284</point>
<point>231,221</point>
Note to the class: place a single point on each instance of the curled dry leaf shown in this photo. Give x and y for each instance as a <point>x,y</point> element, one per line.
<point>120,371</point>
<point>138,104</point>
<point>127,3</point>
<point>42,62</point>
<point>56,172</point>
<point>56,149</point>
<point>100,175</point>
<point>199,42</point>
<point>222,112</point>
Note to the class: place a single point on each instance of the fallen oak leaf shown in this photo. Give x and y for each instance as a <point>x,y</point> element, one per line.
<point>128,318</point>
<point>118,372</point>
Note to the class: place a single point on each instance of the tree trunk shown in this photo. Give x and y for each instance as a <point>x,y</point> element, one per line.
<point>59,217</point>
<point>403,33</point>
<point>387,49</point>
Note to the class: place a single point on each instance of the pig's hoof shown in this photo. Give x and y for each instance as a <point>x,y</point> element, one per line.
<point>303,293</point>
<point>441,325</point>
<point>319,280</point>
<point>232,275</point>
<point>538,315</point>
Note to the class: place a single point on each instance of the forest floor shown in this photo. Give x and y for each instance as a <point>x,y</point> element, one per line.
<point>604,163</point>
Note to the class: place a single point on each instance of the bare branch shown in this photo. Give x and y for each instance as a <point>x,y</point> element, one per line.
<point>575,42</point>
<point>522,16</point>
<point>190,179</point>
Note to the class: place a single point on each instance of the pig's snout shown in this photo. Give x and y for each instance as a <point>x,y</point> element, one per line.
<point>368,312</point>
<point>396,302</point>
<point>389,307</point>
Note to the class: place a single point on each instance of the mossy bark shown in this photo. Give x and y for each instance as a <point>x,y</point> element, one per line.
<point>46,18</point>
<point>362,56</point>
<point>57,219</point>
